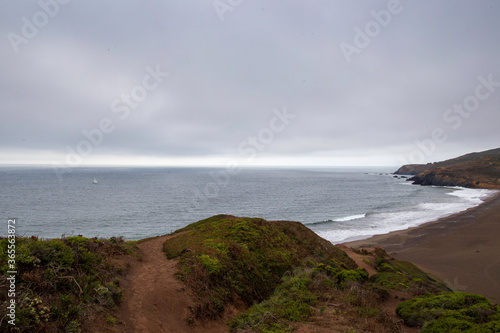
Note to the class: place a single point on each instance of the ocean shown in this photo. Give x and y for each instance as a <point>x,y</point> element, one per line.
<point>339,204</point>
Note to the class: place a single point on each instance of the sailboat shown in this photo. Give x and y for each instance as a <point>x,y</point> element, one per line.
<point>95,181</point>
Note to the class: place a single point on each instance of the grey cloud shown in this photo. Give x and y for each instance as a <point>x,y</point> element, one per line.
<point>227,76</point>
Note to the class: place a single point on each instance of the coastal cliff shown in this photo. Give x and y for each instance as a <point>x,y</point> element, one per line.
<point>475,170</point>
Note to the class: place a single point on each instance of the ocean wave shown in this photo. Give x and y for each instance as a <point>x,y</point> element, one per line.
<point>350,218</point>
<point>475,196</point>
<point>340,219</point>
<point>386,221</point>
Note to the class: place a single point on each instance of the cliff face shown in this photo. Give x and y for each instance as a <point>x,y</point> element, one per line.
<point>476,170</point>
<point>444,177</point>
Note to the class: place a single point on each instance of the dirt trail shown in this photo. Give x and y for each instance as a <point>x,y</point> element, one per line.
<point>155,301</point>
<point>359,259</point>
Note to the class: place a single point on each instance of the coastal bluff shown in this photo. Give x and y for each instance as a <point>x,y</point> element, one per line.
<point>474,170</point>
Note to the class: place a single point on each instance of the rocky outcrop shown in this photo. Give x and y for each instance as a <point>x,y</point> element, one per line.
<point>476,170</point>
<point>446,178</point>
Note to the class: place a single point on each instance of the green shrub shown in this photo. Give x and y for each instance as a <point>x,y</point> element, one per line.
<point>346,276</point>
<point>62,281</point>
<point>52,251</point>
<point>448,312</point>
<point>403,275</point>
<point>212,265</point>
<point>385,267</point>
<point>291,302</point>
<point>448,324</point>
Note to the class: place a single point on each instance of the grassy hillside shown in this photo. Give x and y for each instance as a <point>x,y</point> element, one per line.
<point>271,276</point>
<point>287,276</point>
<point>475,170</point>
<point>62,285</point>
<point>225,258</point>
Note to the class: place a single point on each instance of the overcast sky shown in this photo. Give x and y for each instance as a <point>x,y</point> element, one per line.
<point>207,82</point>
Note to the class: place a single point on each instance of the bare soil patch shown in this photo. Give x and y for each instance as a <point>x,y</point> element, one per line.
<point>155,300</point>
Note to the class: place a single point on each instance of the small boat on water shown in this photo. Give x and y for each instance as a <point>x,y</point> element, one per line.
<point>95,181</point>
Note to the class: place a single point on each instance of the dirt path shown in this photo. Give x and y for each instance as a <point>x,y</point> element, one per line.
<point>359,259</point>
<point>155,300</point>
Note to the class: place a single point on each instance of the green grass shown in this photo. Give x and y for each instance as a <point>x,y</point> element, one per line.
<point>62,281</point>
<point>292,301</point>
<point>451,312</point>
<point>299,296</point>
<point>284,273</point>
<point>404,276</point>
<point>223,258</point>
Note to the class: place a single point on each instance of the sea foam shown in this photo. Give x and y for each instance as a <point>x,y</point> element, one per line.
<point>367,225</point>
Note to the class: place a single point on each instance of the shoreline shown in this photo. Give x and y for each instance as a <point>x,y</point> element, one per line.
<point>460,249</point>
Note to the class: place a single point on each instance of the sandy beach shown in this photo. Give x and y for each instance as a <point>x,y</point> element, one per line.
<point>463,250</point>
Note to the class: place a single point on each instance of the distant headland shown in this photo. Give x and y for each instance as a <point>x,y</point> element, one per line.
<point>474,170</point>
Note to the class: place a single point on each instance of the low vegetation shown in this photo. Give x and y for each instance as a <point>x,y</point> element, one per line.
<point>286,276</point>
<point>64,284</point>
<point>307,292</point>
<point>451,312</point>
<point>403,276</point>
<point>225,259</point>
<point>277,276</point>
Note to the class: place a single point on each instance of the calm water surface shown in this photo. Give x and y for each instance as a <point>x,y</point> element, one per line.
<point>338,204</point>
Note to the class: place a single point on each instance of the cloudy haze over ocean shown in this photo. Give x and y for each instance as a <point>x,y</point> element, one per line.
<point>254,82</point>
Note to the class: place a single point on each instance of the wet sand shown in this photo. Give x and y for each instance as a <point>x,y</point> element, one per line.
<point>463,250</point>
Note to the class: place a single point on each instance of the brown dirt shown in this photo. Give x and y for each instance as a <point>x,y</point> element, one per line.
<point>360,259</point>
<point>155,300</point>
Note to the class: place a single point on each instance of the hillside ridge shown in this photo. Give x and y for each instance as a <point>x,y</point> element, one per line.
<point>228,274</point>
<point>473,170</point>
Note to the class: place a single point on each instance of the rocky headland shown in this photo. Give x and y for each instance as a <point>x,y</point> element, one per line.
<point>475,170</point>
